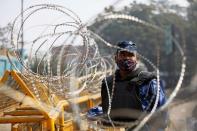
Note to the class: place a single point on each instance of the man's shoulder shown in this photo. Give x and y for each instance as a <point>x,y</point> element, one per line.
<point>144,77</point>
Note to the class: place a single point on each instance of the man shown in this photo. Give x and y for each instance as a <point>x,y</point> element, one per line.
<point>131,90</point>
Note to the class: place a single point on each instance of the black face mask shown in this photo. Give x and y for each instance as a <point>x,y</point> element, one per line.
<point>126,64</point>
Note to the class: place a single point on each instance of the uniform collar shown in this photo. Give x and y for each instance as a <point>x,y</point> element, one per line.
<point>130,75</point>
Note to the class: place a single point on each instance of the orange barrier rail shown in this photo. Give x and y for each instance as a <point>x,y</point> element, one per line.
<point>48,119</point>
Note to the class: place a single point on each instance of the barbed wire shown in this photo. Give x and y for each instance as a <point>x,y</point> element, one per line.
<point>68,69</point>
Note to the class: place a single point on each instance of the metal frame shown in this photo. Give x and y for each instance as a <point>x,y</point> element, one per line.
<point>40,115</point>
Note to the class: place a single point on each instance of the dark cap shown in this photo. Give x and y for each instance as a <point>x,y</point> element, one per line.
<point>128,45</point>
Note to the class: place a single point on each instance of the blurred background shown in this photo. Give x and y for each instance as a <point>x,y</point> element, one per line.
<point>176,18</point>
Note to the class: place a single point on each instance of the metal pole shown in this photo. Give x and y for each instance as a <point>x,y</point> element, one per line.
<point>22,34</point>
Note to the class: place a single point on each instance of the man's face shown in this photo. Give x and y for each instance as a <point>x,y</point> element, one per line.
<point>122,55</point>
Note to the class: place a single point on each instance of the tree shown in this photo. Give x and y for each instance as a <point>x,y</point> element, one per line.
<point>191,38</point>
<point>4,35</point>
<point>147,38</point>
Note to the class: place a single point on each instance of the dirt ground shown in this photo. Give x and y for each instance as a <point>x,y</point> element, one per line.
<point>182,118</point>
<point>5,127</point>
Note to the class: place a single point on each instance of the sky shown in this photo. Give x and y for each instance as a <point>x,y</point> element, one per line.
<point>85,9</point>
